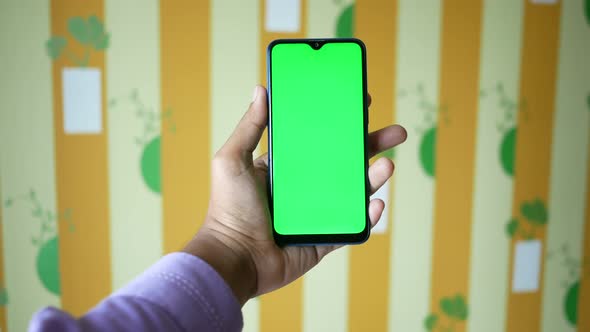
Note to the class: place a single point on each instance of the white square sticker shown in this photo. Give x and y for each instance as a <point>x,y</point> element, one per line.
<point>527,266</point>
<point>82,102</point>
<point>282,16</point>
<point>383,193</point>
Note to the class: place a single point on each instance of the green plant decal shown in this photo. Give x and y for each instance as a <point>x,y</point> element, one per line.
<point>507,151</point>
<point>149,140</point>
<point>55,46</point>
<point>506,125</point>
<point>534,213</point>
<point>150,165</point>
<point>89,32</point>
<point>587,10</point>
<point>430,110</point>
<point>576,269</point>
<point>428,151</point>
<point>512,227</point>
<point>453,309</point>
<point>48,265</point>
<point>430,322</point>
<point>345,23</point>
<point>46,240</point>
<point>570,304</point>
<point>3,297</point>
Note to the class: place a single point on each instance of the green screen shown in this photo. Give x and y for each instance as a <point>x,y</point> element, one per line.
<point>317,134</point>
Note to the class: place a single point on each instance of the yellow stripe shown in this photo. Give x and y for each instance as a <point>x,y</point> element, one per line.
<point>2,283</point>
<point>533,143</point>
<point>185,90</point>
<point>82,180</point>
<point>459,79</point>
<point>375,24</point>
<point>281,310</point>
<point>584,295</point>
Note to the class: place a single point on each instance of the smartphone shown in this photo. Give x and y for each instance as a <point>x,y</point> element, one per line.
<point>317,139</point>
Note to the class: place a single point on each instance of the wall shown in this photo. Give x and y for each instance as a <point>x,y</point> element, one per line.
<point>111,110</point>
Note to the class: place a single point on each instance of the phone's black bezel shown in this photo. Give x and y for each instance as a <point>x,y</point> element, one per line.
<point>319,239</point>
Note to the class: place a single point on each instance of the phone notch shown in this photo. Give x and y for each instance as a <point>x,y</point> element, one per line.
<point>316,44</point>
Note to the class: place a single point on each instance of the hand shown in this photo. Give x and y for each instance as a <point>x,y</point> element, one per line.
<point>236,237</point>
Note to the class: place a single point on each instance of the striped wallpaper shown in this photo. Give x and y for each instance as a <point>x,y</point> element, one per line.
<point>110,112</point>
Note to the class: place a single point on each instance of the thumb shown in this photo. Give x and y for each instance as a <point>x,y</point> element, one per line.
<point>247,134</point>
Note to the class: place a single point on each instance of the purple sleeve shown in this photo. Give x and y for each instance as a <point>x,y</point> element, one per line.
<point>179,293</point>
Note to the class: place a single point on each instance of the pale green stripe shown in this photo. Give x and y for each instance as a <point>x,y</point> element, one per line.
<point>133,64</point>
<point>26,150</point>
<point>251,314</point>
<point>234,64</point>
<point>234,74</point>
<point>492,200</point>
<point>568,166</point>
<point>418,47</point>
<point>325,288</point>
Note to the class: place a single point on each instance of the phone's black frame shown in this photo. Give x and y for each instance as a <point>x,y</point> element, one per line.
<point>319,239</point>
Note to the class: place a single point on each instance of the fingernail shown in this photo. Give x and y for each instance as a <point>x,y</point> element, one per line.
<point>255,94</point>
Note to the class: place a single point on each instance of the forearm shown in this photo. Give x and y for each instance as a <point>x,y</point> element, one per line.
<point>179,293</point>
<point>228,257</point>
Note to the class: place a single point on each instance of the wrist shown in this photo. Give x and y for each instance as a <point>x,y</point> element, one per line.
<point>230,258</point>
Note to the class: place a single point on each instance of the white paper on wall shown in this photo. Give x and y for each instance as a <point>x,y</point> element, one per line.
<point>282,16</point>
<point>82,102</point>
<point>383,193</point>
<point>527,266</point>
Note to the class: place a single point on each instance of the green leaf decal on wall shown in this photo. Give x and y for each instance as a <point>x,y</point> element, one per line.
<point>55,46</point>
<point>534,211</point>
<point>48,265</point>
<point>90,33</point>
<point>428,151</point>
<point>570,305</point>
<point>78,28</point>
<point>507,151</point>
<point>454,307</point>
<point>345,23</point>
<point>3,297</point>
<point>512,227</point>
<point>430,322</point>
<point>587,10</point>
<point>150,165</point>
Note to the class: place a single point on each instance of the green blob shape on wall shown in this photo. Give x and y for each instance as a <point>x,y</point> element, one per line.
<point>150,165</point>
<point>345,23</point>
<point>535,211</point>
<point>587,10</point>
<point>48,265</point>
<point>428,151</point>
<point>507,151</point>
<point>570,304</point>
<point>454,307</point>
<point>430,322</point>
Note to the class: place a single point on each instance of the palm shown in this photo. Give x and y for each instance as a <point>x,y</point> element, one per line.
<point>248,214</point>
<point>239,209</point>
